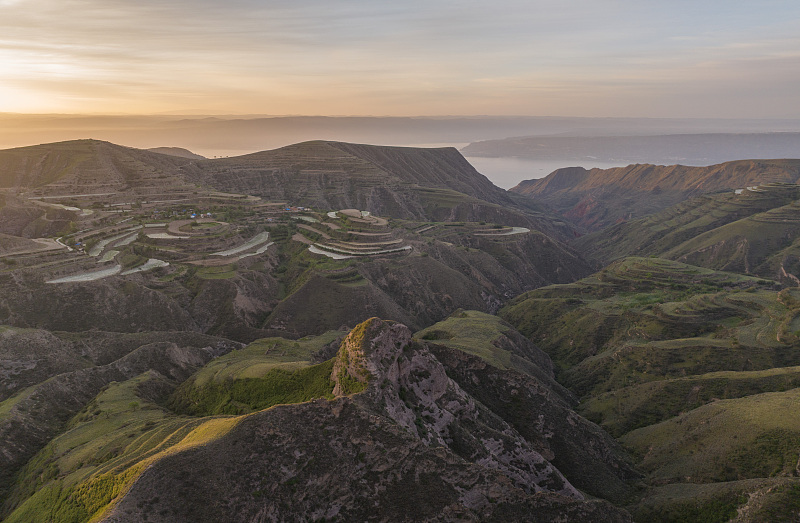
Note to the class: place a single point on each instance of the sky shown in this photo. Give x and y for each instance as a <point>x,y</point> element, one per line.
<point>619,58</point>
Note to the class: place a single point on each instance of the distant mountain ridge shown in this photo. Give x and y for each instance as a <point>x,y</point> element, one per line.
<point>597,198</point>
<point>221,135</point>
<point>684,148</point>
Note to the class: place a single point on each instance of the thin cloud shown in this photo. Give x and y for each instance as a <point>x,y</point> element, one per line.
<point>363,57</point>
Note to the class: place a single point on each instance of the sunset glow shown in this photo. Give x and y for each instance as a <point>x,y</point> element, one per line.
<point>579,58</point>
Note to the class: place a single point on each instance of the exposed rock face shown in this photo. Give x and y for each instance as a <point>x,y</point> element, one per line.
<point>412,387</point>
<point>407,444</point>
<point>547,422</point>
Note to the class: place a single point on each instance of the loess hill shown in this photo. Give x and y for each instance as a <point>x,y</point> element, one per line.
<point>754,231</point>
<point>693,370</point>
<point>87,166</point>
<point>391,427</point>
<point>131,287</point>
<point>184,339</point>
<point>428,266</point>
<point>597,198</point>
<point>399,182</point>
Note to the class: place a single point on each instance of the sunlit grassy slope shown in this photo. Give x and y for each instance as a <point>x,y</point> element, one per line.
<point>104,449</point>
<point>112,440</point>
<point>267,372</point>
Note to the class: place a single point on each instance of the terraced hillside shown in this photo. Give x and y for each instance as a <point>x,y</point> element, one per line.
<point>599,198</point>
<point>105,323</point>
<point>752,231</point>
<point>341,268</point>
<point>386,413</point>
<point>214,319</point>
<point>89,166</point>
<point>26,218</point>
<point>158,252</point>
<point>398,182</point>
<point>245,273</point>
<point>693,370</point>
<point>256,277</point>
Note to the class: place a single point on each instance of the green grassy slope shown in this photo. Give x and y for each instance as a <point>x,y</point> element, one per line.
<point>599,198</point>
<point>493,340</point>
<point>671,227</point>
<point>753,437</point>
<point>267,372</point>
<point>755,232</point>
<point>101,452</point>
<point>105,446</point>
<point>695,371</point>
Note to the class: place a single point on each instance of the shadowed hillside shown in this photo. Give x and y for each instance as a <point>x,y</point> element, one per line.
<point>754,231</point>
<point>599,198</point>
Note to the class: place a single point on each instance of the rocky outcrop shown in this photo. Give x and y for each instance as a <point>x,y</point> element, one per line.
<point>401,442</point>
<point>547,422</point>
<point>413,389</point>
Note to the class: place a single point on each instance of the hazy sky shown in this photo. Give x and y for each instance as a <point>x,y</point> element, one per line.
<point>704,58</point>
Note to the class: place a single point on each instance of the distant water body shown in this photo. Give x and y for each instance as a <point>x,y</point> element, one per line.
<point>508,172</point>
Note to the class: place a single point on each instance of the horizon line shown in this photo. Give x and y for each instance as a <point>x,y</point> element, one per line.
<point>376,116</point>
